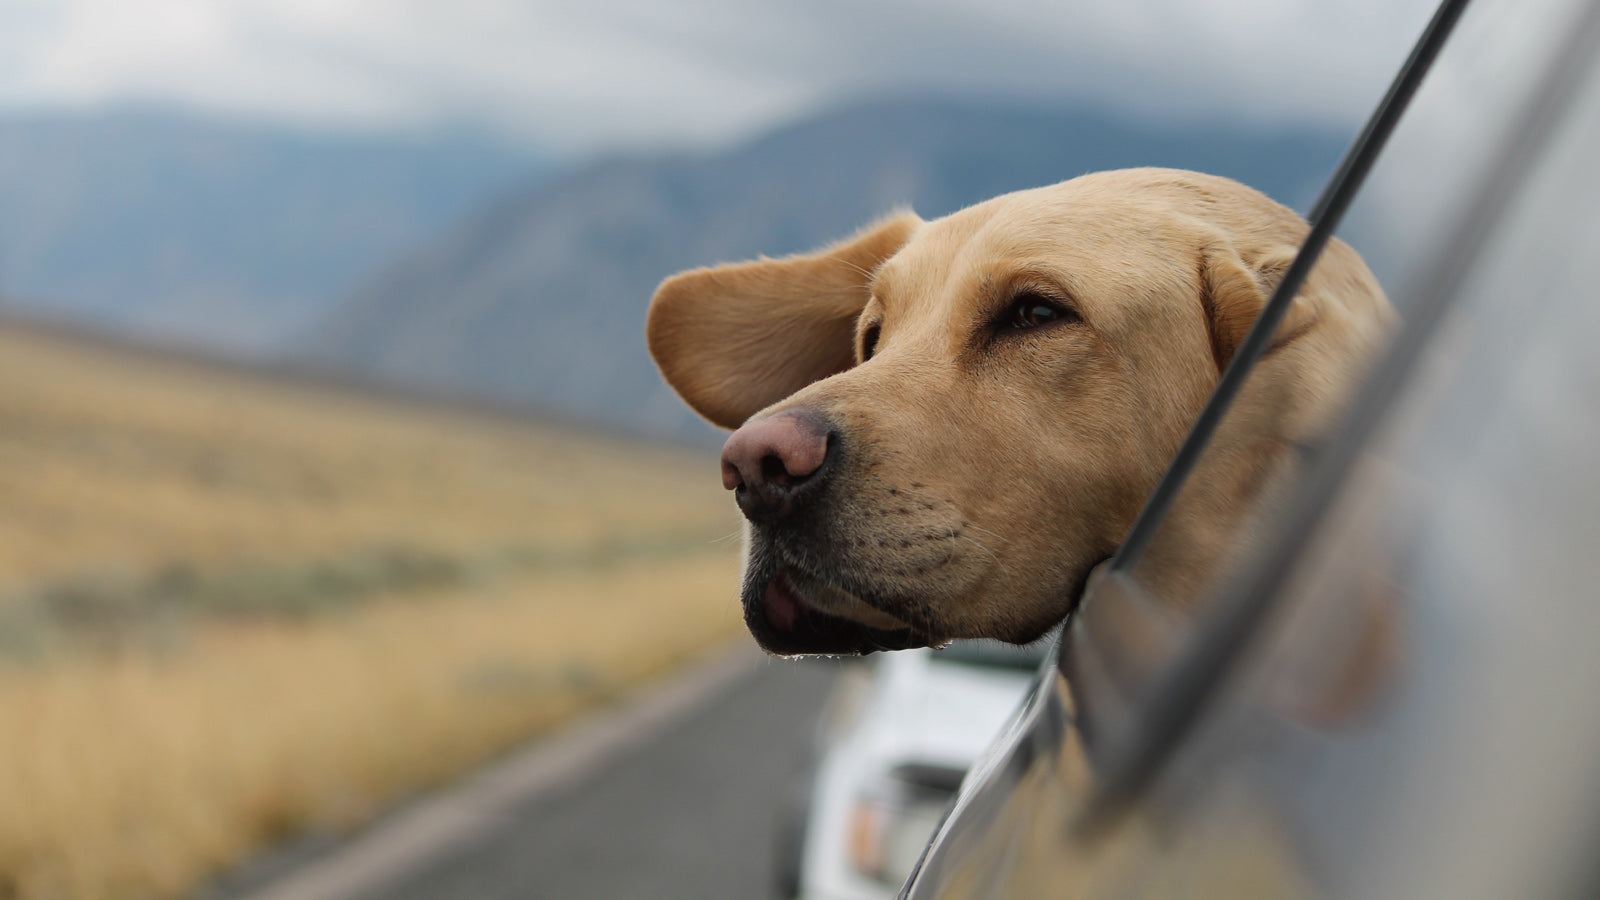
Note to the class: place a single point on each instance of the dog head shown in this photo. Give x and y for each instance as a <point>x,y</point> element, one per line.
<point>943,426</point>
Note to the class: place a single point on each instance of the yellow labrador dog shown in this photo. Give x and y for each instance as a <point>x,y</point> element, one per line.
<point>943,426</point>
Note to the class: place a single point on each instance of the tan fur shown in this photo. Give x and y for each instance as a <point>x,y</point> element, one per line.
<point>985,471</point>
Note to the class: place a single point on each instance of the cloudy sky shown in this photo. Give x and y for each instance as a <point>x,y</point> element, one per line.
<point>579,76</point>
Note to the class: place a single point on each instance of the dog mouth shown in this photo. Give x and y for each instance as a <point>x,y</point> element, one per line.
<point>790,614</point>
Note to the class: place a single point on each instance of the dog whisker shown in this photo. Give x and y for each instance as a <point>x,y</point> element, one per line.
<point>965,535</point>
<point>993,557</point>
<point>984,531</point>
<point>868,274</point>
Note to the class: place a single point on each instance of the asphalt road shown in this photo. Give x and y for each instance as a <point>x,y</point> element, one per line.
<point>686,806</point>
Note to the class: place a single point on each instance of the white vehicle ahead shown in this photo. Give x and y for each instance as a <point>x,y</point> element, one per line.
<point>901,730</point>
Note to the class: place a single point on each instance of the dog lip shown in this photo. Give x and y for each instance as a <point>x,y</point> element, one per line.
<point>791,572</point>
<point>785,624</point>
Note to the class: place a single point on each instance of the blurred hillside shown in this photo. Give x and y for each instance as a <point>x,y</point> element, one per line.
<point>540,298</point>
<point>225,235</point>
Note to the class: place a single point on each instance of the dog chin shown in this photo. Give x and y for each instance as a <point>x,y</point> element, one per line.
<point>790,614</point>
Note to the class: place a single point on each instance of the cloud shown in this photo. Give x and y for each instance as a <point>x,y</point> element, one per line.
<point>629,72</point>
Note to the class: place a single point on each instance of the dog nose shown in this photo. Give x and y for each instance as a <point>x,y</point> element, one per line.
<point>769,462</point>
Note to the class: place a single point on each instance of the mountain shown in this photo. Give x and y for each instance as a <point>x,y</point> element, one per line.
<point>224,235</point>
<point>540,298</point>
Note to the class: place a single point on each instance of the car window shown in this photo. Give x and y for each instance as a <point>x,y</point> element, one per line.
<point>1453,127</point>
<point>1426,170</point>
<point>1419,718</point>
<point>1273,409</point>
<point>1478,235</point>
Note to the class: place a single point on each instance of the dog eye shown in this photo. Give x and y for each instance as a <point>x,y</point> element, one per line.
<point>869,341</point>
<point>1033,310</point>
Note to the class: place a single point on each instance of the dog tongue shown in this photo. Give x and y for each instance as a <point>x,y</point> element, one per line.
<point>782,605</point>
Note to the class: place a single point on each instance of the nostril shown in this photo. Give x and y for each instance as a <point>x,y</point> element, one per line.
<point>773,471</point>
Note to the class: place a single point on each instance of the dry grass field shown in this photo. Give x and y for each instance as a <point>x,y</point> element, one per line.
<point>233,608</point>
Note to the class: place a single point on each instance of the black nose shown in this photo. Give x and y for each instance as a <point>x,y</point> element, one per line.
<point>771,464</point>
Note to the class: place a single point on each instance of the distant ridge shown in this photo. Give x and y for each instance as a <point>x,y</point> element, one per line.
<point>214,233</point>
<point>540,298</point>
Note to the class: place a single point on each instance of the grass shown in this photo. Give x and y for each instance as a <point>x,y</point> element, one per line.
<point>125,463</point>
<point>232,609</point>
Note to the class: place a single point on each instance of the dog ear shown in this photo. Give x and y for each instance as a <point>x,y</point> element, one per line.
<point>1233,292</point>
<point>735,339</point>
